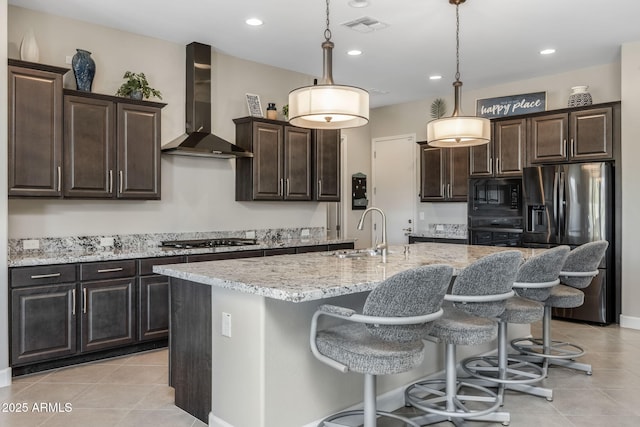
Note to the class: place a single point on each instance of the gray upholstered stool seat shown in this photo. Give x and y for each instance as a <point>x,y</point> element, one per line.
<point>536,279</point>
<point>477,297</point>
<point>577,272</point>
<point>458,327</point>
<point>563,296</point>
<point>359,351</point>
<point>386,337</point>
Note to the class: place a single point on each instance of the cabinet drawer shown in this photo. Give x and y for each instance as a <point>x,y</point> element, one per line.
<point>145,266</point>
<point>107,270</point>
<point>43,275</point>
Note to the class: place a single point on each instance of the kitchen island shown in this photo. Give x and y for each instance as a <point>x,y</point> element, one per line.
<point>239,333</point>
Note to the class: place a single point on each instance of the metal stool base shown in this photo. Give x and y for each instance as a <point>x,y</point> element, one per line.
<point>330,421</point>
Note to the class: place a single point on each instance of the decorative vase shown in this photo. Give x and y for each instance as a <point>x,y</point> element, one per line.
<point>29,48</point>
<point>272,112</point>
<point>579,96</point>
<point>84,69</point>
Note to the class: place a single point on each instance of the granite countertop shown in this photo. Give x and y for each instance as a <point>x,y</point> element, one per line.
<point>314,276</point>
<point>140,251</point>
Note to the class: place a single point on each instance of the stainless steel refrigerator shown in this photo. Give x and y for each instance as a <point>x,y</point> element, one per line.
<point>572,204</point>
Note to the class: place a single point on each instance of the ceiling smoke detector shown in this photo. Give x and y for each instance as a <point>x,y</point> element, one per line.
<point>365,25</point>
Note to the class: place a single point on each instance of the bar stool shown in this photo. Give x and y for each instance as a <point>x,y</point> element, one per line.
<point>478,295</point>
<point>533,284</point>
<point>579,269</point>
<point>386,338</point>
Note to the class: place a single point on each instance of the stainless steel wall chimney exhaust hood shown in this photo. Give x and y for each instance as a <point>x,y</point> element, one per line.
<point>198,140</point>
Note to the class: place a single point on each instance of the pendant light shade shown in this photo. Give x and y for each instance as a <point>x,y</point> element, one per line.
<point>458,130</point>
<point>327,105</point>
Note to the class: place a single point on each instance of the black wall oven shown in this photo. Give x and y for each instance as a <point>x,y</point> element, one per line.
<point>495,212</point>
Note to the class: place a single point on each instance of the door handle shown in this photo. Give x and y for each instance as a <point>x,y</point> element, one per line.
<point>286,188</point>
<point>45,276</point>
<point>449,190</point>
<point>110,270</point>
<point>73,302</point>
<point>319,187</point>
<point>280,185</point>
<point>121,182</point>
<point>59,178</point>
<point>84,300</point>
<point>110,181</point>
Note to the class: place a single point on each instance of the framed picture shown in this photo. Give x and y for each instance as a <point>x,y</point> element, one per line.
<point>253,103</point>
<point>512,105</point>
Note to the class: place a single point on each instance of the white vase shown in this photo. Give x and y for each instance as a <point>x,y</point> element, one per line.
<point>29,48</point>
<point>579,97</point>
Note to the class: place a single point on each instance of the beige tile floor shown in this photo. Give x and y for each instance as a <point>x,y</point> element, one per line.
<point>131,391</point>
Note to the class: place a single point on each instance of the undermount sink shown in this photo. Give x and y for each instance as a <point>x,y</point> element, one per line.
<point>356,253</point>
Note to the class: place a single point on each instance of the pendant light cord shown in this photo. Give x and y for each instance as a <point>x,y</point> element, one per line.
<point>327,31</point>
<point>457,41</point>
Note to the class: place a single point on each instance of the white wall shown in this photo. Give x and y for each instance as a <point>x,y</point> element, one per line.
<point>603,82</point>
<point>198,194</point>
<point>630,178</point>
<point>5,372</point>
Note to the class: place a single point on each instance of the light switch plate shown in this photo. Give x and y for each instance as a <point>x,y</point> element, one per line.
<point>250,234</point>
<point>226,324</point>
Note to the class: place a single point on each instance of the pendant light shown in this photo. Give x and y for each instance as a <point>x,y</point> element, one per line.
<point>458,130</point>
<point>327,105</point>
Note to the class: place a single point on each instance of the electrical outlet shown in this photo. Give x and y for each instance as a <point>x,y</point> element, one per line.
<point>226,324</point>
<point>106,241</point>
<point>421,216</point>
<point>31,244</point>
<point>250,234</point>
<point>304,232</point>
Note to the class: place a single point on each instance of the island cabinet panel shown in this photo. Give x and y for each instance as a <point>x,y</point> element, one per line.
<point>43,323</point>
<point>444,173</point>
<point>326,173</point>
<point>35,129</point>
<point>89,147</point>
<point>504,155</point>
<point>190,347</point>
<point>584,134</point>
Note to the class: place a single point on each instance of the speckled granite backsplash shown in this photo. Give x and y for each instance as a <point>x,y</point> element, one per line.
<point>141,241</point>
<point>447,231</point>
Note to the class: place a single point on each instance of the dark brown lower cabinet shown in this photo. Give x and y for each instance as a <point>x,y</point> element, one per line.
<point>153,307</point>
<point>43,323</point>
<point>107,314</point>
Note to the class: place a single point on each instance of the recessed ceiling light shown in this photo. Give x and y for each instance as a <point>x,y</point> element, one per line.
<point>254,22</point>
<point>354,52</point>
<point>435,77</point>
<point>547,51</point>
<point>359,3</point>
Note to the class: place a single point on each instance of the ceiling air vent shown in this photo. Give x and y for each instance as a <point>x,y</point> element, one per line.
<point>365,25</point>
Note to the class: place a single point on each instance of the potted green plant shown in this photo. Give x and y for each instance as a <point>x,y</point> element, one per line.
<point>137,87</point>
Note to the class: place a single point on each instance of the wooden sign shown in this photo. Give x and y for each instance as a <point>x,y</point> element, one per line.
<point>513,105</point>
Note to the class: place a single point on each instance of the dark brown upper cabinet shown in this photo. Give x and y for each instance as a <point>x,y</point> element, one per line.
<point>280,168</point>
<point>35,129</point>
<point>326,172</point>
<point>504,155</point>
<point>584,134</point>
<point>111,147</point>
<point>444,173</point>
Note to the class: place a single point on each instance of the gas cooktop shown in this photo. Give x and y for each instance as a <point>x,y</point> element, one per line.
<point>208,243</point>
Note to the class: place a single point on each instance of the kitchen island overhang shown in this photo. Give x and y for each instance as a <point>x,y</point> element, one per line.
<point>264,374</point>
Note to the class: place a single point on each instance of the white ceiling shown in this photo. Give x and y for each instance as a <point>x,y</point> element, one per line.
<point>500,39</point>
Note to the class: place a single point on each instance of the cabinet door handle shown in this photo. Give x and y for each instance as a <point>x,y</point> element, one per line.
<point>73,302</point>
<point>59,178</point>
<point>444,191</point>
<point>110,270</point>
<point>110,181</point>
<point>286,188</point>
<point>121,182</point>
<point>449,190</point>
<point>280,185</point>
<point>319,187</point>
<point>573,147</point>
<point>491,165</point>
<point>498,165</point>
<point>84,300</point>
<point>45,276</point>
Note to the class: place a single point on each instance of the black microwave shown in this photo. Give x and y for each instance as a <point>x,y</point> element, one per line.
<point>501,197</point>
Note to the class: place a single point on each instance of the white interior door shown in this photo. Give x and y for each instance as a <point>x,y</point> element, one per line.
<point>394,184</point>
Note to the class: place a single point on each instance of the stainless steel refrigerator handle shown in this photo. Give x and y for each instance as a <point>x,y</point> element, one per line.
<point>561,206</point>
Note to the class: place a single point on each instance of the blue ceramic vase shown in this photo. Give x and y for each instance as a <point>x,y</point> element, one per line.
<point>84,69</point>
